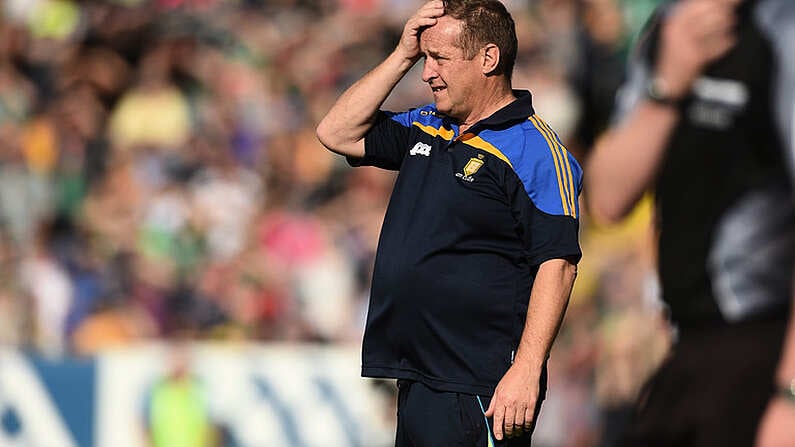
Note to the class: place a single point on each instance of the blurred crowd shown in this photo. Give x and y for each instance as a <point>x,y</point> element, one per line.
<point>160,179</point>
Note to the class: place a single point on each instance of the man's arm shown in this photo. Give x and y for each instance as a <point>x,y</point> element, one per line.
<point>514,401</point>
<point>343,129</point>
<point>626,159</point>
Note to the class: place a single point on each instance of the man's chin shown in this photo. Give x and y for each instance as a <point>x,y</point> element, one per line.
<point>442,108</point>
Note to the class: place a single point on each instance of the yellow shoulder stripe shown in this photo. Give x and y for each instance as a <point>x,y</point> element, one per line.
<point>559,166</point>
<point>477,142</point>
<point>433,131</point>
<point>565,156</point>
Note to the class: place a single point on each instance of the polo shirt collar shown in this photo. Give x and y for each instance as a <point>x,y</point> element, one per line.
<point>518,110</point>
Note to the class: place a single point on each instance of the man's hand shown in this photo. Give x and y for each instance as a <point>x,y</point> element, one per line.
<point>409,46</point>
<point>777,428</point>
<point>696,33</point>
<point>514,401</point>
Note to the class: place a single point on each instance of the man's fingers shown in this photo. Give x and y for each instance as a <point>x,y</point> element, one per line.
<point>696,33</point>
<point>528,418</point>
<point>515,420</point>
<point>431,9</point>
<point>422,22</point>
<point>490,411</point>
<point>426,15</point>
<point>430,13</point>
<point>508,422</point>
<point>719,45</point>
<point>702,16</point>
<point>433,4</point>
<point>718,22</point>
<point>499,418</point>
<point>518,421</point>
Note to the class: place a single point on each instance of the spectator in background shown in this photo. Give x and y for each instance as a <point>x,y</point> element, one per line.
<point>15,311</point>
<point>177,410</point>
<point>598,71</point>
<point>154,114</point>
<point>713,135</point>
<point>46,281</point>
<point>605,32</point>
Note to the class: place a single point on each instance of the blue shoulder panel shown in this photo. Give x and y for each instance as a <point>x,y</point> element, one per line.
<point>425,115</point>
<point>551,176</point>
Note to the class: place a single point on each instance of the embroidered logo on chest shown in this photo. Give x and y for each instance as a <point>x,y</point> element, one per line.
<point>472,166</point>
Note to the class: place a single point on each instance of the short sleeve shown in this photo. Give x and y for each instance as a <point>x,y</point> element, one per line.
<point>545,199</point>
<point>386,143</point>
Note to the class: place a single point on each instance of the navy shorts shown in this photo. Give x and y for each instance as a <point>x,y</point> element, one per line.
<point>431,418</point>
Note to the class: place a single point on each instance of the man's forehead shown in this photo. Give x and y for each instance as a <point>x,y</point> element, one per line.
<point>447,30</point>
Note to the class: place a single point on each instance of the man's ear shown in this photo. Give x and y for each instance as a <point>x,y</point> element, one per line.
<point>491,58</point>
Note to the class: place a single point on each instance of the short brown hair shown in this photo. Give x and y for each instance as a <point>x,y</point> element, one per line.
<point>484,22</point>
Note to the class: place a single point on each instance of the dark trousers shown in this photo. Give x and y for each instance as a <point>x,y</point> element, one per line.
<point>430,418</point>
<point>712,389</point>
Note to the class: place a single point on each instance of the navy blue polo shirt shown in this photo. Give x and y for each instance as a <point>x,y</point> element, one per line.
<point>471,218</point>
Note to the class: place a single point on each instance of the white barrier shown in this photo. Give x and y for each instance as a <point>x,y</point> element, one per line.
<point>262,395</point>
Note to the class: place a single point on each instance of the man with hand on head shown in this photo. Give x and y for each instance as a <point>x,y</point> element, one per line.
<point>478,250</point>
<point>707,120</point>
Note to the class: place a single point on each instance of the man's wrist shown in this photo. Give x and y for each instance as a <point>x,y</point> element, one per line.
<point>404,61</point>
<point>530,362</point>
<point>660,92</point>
<point>786,391</point>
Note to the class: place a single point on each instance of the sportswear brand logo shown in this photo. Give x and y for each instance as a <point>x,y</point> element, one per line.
<point>421,149</point>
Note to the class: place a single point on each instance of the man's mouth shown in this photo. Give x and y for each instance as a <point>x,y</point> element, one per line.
<point>437,89</point>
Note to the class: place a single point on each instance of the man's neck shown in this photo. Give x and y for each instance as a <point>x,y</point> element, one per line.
<point>496,99</point>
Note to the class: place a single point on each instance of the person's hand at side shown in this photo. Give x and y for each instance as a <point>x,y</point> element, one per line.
<point>695,33</point>
<point>514,401</point>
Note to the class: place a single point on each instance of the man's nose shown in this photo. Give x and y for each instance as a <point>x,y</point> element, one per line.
<point>428,72</point>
